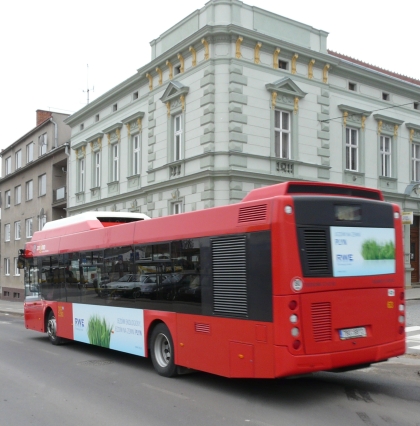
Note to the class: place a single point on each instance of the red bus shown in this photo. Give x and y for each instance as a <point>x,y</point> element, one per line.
<point>298,277</point>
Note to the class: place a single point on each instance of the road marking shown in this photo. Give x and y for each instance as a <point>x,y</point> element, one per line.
<point>413,328</point>
<point>5,322</point>
<point>415,347</point>
<point>415,337</point>
<point>165,391</point>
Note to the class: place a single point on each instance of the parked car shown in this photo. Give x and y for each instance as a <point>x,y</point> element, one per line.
<point>127,286</point>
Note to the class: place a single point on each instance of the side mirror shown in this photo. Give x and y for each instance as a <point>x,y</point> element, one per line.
<point>21,262</point>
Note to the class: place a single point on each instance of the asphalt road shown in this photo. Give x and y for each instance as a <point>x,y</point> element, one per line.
<point>76,384</point>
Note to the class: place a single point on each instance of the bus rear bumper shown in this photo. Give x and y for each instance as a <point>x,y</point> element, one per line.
<point>287,364</point>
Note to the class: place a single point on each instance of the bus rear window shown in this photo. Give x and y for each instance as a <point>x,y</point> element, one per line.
<point>348,213</point>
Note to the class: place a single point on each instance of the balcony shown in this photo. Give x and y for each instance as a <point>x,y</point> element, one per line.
<point>60,196</point>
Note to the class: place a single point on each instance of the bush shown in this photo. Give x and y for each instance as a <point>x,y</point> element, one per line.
<point>98,332</point>
<point>371,250</point>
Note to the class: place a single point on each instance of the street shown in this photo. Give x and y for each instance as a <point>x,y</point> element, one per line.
<point>73,384</point>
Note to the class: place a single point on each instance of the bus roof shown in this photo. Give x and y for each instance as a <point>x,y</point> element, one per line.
<point>108,217</point>
<point>86,222</point>
<point>307,188</point>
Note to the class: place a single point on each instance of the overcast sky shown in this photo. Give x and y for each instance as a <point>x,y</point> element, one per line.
<point>46,45</point>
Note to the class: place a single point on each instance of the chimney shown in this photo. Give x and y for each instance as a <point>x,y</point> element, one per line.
<point>42,115</point>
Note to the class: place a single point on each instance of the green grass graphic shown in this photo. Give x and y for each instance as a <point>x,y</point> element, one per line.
<point>99,333</point>
<point>372,250</point>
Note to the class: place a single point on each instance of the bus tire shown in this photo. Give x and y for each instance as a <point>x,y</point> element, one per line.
<point>52,330</point>
<point>162,351</point>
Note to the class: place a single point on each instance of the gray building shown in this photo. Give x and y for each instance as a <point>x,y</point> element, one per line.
<point>33,191</point>
<point>235,98</point>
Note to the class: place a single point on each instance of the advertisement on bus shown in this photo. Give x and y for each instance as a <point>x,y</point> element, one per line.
<point>116,328</point>
<point>360,251</point>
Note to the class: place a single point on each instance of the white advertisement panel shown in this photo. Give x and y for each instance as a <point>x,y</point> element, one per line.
<point>121,329</point>
<point>360,251</point>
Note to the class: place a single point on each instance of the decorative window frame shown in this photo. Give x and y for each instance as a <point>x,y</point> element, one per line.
<point>285,96</point>
<point>414,137</point>
<point>80,153</point>
<point>95,143</point>
<point>387,126</point>
<point>354,118</point>
<point>174,98</point>
<point>113,134</point>
<point>134,125</point>
<point>176,204</point>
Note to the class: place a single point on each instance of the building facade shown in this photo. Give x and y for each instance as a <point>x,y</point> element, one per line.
<point>235,98</point>
<point>33,191</point>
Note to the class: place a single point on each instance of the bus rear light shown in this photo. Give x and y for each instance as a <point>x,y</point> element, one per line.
<point>402,295</point>
<point>293,319</point>
<point>296,344</point>
<point>295,332</point>
<point>297,284</point>
<point>292,305</point>
<point>396,215</point>
<point>401,308</point>
<point>401,330</point>
<point>401,319</point>
<point>288,210</point>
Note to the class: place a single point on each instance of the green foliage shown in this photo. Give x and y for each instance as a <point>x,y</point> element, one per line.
<point>372,250</point>
<point>98,332</point>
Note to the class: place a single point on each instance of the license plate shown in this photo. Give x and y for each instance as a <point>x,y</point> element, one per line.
<point>352,333</point>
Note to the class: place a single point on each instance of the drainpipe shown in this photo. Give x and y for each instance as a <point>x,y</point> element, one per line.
<point>55,133</point>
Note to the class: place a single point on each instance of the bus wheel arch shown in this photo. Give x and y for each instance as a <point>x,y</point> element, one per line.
<point>162,350</point>
<point>51,327</point>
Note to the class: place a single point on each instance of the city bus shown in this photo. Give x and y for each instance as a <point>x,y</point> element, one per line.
<point>296,278</point>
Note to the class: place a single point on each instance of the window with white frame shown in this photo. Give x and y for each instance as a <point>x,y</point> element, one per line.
<point>42,185</point>
<point>81,175</point>
<point>17,230</point>
<point>385,148</point>
<point>42,221</point>
<point>29,152</point>
<point>178,136</point>
<point>7,199</point>
<point>8,166</point>
<point>97,180</point>
<point>17,270</point>
<point>29,190</point>
<point>18,159</point>
<point>18,194</point>
<point>6,266</point>
<point>177,207</point>
<point>115,163</point>
<point>282,134</point>
<point>415,162</point>
<point>136,155</point>
<point>43,144</point>
<point>352,149</point>
<point>28,227</point>
<point>7,232</point>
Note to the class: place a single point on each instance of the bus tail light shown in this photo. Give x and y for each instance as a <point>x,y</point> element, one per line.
<point>401,330</point>
<point>296,345</point>
<point>292,305</point>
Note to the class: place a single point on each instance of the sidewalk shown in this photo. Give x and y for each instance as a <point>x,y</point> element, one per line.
<point>16,308</point>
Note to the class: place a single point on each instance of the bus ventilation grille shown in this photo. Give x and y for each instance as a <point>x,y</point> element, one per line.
<point>321,321</point>
<point>202,328</point>
<point>317,251</point>
<point>230,296</point>
<point>252,213</point>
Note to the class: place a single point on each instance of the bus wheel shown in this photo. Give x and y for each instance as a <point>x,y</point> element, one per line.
<point>52,330</point>
<point>162,351</point>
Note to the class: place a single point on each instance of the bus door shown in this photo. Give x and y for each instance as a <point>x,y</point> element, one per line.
<point>33,299</point>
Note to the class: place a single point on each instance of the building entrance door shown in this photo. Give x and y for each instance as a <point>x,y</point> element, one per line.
<point>414,252</point>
